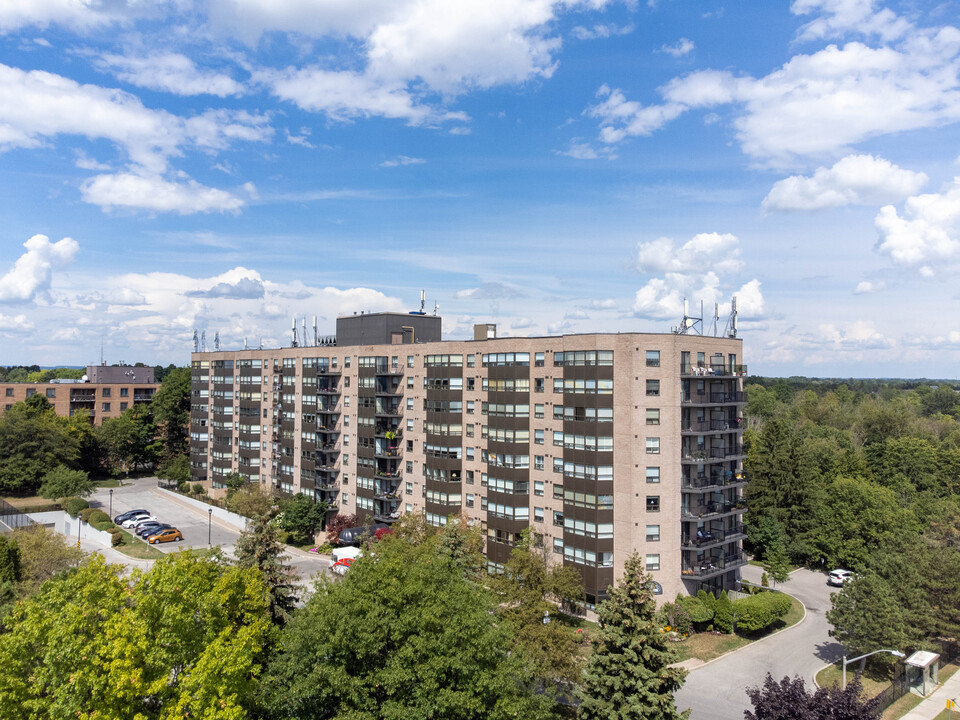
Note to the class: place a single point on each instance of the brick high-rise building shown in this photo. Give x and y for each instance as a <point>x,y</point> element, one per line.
<point>602,443</point>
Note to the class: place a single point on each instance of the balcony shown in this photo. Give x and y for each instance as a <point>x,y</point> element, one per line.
<point>713,398</point>
<point>703,427</point>
<point>713,481</point>
<point>328,391</point>
<point>388,412</point>
<point>720,369</point>
<point>708,455</point>
<point>707,538</point>
<point>392,453</point>
<point>384,369</point>
<point>712,510</point>
<point>711,567</point>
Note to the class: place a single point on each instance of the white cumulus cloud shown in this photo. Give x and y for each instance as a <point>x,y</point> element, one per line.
<point>31,274</point>
<point>927,233</point>
<point>140,191</point>
<point>169,72</point>
<point>718,252</point>
<point>683,46</point>
<point>853,180</point>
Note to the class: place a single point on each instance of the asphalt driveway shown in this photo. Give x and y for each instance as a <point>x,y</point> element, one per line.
<point>717,691</point>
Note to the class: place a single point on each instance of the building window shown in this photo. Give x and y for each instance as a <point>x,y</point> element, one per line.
<point>538,437</point>
<point>653,446</point>
<point>558,464</point>
<point>558,518</point>
<point>471,360</point>
<point>653,387</point>
<point>538,411</point>
<point>409,360</point>
<point>653,533</point>
<point>395,361</point>
<point>469,500</point>
<point>483,503</point>
<point>538,360</point>
<point>409,403</point>
<point>471,384</point>
<point>558,546</point>
<point>469,453</point>
<point>470,407</point>
<point>538,488</point>
<point>410,424</point>
<point>346,459</point>
<point>409,488</point>
<point>346,498</point>
<point>653,503</point>
<point>123,406</point>
<point>346,361</point>
<point>653,416</point>
<point>558,438</point>
<point>410,383</point>
<point>346,421</point>
<point>538,385</point>
<point>538,514</point>
<point>124,392</point>
<point>538,462</point>
<point>470,429</point>
<point>653,561</point>
<point>409,445</point>
<point>409,467</point>
<point>653,474</point>
<point>106,392</point>
<point>105,407</point>
<point>51,393</point>
<point>653,358</point>
<point>9,392</point>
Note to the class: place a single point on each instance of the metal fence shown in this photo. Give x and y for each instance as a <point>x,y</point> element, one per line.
<point>12,518</point>
<point>901,686</point>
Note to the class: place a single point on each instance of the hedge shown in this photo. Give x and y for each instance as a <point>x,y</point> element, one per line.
<point>103,525</point>
<point>760,611</point>
<point>86,513</point>
<point>116,539</point>
<point>98,516</point>
<point>698,611</point>
<point>74,505</point>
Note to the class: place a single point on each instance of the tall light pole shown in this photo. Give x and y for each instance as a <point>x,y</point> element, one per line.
<point>111,504</point>
<point>209,525</point>
<point>895,653</point>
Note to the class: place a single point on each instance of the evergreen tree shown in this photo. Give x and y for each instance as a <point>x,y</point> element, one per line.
<point>260,548</point>
<point>723,613</point>
<point>627,675</point>
<point>778,563</point>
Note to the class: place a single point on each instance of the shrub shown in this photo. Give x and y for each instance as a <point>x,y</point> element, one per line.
<point>198,489</point>
<point>86,513</point>
<point>183,486</point>
<point>98,516</point>
<point>723,613</point>
<point>760,611</point>
<point>695,608</point>
<point>337,524</point>
<point>681,621</point>
<point>103,525</point>
<point>117,539</point>
<point>114,530</point>
<point>74,505</point>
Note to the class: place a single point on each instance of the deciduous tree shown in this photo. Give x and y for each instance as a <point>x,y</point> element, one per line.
<point>33,441</point>
<point>63,482</point>
<point>789,700</point>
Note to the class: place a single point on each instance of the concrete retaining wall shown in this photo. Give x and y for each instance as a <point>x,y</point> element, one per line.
<point>62,523</point>
<point>238,522</point>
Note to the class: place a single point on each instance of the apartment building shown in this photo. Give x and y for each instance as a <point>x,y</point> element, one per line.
<point>603,443</point>
<point>106,392</point>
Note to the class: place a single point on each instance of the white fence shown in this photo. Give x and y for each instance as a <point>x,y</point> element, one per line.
<point>73,528</point>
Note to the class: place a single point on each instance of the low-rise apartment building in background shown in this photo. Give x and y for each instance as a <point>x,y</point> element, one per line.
<point>602,443</point>
<point>106,392</point>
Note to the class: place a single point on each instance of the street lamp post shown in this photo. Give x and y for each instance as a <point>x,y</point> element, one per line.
<point>895,653</point>
<point>111,503</point>
<point>209,526</point>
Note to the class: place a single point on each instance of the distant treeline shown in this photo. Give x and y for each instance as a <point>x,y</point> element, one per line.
<point>33,373</point>
<point>795,383</point>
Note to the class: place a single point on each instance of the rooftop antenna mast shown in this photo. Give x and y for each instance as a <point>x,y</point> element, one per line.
<point>196,342</point>
<point>216,341</point>
<point>716,317</point>
<point>690,325</point>
<point>423,300</point>
<point>203,341</point>
<point>436,307</point>
<point>731,329</point>
<point>101,351</point>
<point>260,346</point>
<point>244,343</point>
<point>303,334</point>
<point>293,331</point>
<point>316,336</point>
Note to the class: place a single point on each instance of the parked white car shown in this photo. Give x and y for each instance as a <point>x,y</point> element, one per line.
<point>138,520</point>
<point>838,578</point>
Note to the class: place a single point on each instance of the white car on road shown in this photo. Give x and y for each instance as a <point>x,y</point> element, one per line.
<point>838,578</point>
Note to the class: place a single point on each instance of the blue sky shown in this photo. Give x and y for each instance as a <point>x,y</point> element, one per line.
<point>552,167</point>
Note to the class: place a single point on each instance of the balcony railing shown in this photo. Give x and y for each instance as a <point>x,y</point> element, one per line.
<point>708,538</point>
<point>708,454</point>
<point>702,481</point>
<point>697,512</point>
<point>713,398</point>
<point>722,368</point>
<point>713,566</point>
<point>709,426</point>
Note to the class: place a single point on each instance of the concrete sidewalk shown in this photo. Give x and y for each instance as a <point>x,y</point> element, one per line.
<point>937,702</point>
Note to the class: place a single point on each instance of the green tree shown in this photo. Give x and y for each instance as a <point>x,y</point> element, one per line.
<point>250,502</point>
<point>867,616</point>
<point>171,410</point>
<point>11,569</point>
<point>43,556</point>
<point>789,700</point>
<point>33,441</point>
<point>175,469</point>
<point>301,516</point>
<point>628,673</point>
<point>403,635</point>
<point>63,482</point>
<point>778,563</point>
<point>723,613</point>
<point>259,547</point>
<point>529,588</point>
<point>130,440</point>
<point>181,640</point>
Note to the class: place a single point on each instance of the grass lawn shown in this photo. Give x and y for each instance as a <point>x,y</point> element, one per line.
<point>108,483</point>
<point>31,501</point>
<point>132,547</point>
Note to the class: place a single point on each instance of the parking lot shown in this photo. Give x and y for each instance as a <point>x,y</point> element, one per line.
<point>193,523</point>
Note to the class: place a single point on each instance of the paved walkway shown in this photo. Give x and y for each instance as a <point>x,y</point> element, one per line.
<point>937,702</point>
<point>718,689</point>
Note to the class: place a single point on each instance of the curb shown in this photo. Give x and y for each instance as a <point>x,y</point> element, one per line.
<point>757,642</point>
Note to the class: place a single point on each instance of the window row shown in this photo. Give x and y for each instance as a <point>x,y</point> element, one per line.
<point>580,358</point>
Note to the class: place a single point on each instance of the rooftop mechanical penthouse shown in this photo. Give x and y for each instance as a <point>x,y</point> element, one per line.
<point>602,443</point>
